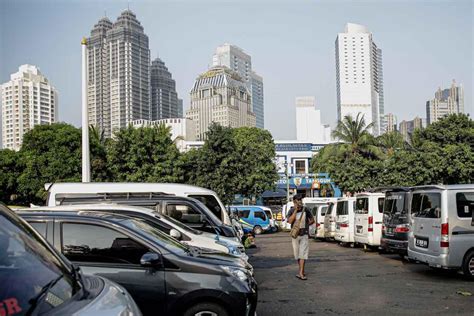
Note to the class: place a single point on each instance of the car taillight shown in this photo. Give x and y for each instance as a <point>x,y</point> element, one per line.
<point>444,243</point>
<point>344,225</point>
<point>317,224</point>
<point>383,228</point>
<point>371,224</point>
<point>402,229</point>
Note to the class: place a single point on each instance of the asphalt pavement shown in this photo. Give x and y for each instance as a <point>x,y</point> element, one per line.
<point>345,280</point>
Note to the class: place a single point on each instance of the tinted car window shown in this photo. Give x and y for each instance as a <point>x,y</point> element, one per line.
<point>259,214</point>
<point>342,208</point>
<point>465,204</point>
<point>394,202</point>
<point>269,214</point>
<point>211,203</point>
<point>40,227</point>
<point>330,209</point>
<point>92,243</point>
<point>26,267</point>
<point>324,210</point>
<point>362,205</point>
<point>427,205</point>
<point>183,213</point>
<point>380,202</point>
<point>243,213</point>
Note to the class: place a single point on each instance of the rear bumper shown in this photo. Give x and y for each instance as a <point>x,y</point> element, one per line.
<point>344,236</point>
<point>439,261</point>
<point>394,245</point>
<point>361,239</point>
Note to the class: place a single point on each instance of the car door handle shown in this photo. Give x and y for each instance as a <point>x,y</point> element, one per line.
<point>434,226</point>
<point>378,222</point>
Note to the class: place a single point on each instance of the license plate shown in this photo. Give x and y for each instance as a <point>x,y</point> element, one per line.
<point>359,229</point>
<point>422,243</point>
<point>390,231</point>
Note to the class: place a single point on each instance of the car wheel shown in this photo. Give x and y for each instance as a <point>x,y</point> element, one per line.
<point>257,230</point>
<point>468,265</point>
<point>206,309</point>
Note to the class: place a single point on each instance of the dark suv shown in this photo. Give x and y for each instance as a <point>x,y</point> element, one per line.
<point>396,220</point>
<point>164,276</point>
<point>189,211</point>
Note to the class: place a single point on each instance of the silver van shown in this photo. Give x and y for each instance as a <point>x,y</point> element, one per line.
<point>442,233</point>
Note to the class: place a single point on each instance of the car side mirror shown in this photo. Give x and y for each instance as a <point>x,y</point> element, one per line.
<point>150,259</point>
<point>175,234</point>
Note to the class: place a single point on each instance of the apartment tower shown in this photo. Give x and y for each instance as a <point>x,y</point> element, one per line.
<point>447,101</point>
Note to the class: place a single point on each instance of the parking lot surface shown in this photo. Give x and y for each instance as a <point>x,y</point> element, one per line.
<point>344,280</point>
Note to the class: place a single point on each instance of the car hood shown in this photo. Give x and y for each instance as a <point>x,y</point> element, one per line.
<point>219,258</point>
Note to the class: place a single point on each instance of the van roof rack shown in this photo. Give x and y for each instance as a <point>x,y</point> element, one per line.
<point>109,197</point>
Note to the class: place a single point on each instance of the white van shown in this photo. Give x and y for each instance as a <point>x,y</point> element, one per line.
<point>345,220</point>
<point>74,192</point>
<point>442,233</point>
<point>318,207</point>
<point>368,218</point>
<point>284,216</point>
<point>330,220</point>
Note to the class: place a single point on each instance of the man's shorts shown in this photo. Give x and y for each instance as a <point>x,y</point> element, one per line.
<point>300,247</point>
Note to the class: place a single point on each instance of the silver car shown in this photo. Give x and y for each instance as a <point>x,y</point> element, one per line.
<point>442,233</point>
<point>37,280</point>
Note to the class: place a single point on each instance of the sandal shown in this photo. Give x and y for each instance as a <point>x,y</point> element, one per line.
<point>304,278</point>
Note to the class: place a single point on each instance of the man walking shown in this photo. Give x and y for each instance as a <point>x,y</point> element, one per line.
<point>299,215</point>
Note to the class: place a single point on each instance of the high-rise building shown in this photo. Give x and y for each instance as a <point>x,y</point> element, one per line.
<point>28,99</point>
<point>164,98</point>
<point>118,73</point>
<point>408,127</point>
<point>308,122</point>
<point>359,76</point>
<point>180,107</point>
<point>220,95</point>
<point>447,101</point>
<point>236,59</point>
<point>389,123</point>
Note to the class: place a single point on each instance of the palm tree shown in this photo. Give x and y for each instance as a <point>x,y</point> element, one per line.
<point>390,142</point>
<point>98,136</point>
<point>356,135</point>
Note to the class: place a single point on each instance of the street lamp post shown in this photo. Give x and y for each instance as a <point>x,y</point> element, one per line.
<point>86,163</point>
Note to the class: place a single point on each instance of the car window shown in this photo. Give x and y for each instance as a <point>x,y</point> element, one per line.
<point>324,210</point>
<point>394,202</point>
<point>211,203</point>
<point>182,226</point>
<point>329,212</point>
<point>26,267</point>
<point>40,227</point>
<point>243,213</point>
<point>342,208</point>
<point>184,213</point>
<point>362,205</point>
<point>93,243</point>
<point>269,214</point>
<point>426,205</point>
<point>465,204</point>
<point>260,214</point>
<point>380,202</point>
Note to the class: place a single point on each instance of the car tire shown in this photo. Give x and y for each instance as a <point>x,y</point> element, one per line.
<point>257,230</point>
<point>206,309</point>
<point>468,266</point>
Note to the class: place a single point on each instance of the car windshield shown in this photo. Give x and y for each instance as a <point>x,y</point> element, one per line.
<point>210,202</point>
<point>394,203</point>
<point>154,234</point>
<point>212,216</point>
<point>33,278</point>
<point>181,225</point>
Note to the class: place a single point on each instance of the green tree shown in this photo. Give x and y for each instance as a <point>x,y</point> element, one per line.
<point>452,129</point>
<point>49,153</point>
<point>145,154</point>
<point>256,152</point>
<point>217,164</point>
<point>98,150</point>
<point>9,172</point>
<point>390,142</point>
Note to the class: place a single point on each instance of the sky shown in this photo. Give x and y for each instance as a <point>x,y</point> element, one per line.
<point>425,45</point>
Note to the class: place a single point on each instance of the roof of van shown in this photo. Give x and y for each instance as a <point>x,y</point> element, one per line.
<point>445,187</point>
<point>104,187</point>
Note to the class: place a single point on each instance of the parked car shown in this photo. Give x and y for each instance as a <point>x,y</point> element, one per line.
<point>396,220</point>
<point>252,218</point>
<point>74,193</point>
<point>164,276</point>
<point>368,218</point>
<point>442,232</point>
<point>168,225</point>
<point>330,221</point>
<point>36,279</point>
<point>345,220</point>
<point>318,207</point>
<point>268,211</point>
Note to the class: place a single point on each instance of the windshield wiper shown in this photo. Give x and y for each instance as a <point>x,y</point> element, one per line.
<point>45,289</point>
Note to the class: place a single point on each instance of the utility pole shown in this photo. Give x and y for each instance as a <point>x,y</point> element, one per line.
<point>86,163</point>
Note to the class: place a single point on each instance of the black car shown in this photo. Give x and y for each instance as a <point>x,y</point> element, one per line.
<point>396,220</point>
<point>163,276</point>
<point>189,211</point>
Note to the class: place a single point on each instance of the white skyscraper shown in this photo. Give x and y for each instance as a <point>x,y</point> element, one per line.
<point>308,122</point>
<point>359,76</point>
<point>446,101</point>
<point>27,100</point>
<point>236,59</point>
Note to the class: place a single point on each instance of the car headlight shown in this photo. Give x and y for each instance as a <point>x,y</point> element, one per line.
<point>236,273</point>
